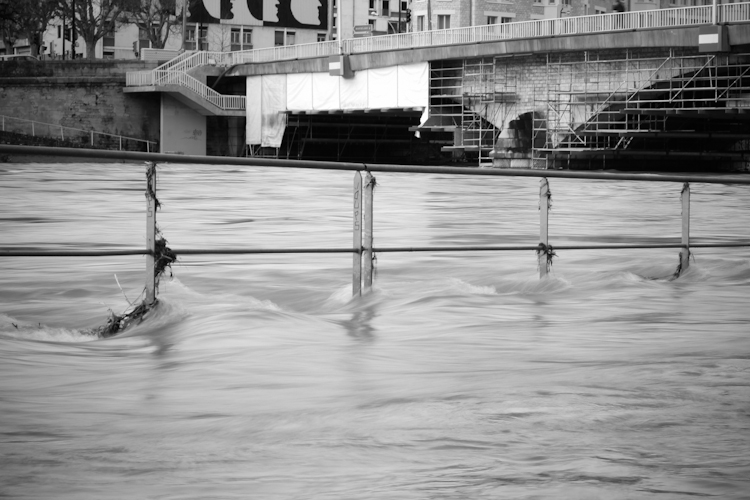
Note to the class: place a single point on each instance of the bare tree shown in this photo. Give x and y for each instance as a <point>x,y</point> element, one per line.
<point>94,19</point>
<point>10,25</point>
<point>158,19</point>
<point>221,39</point>
<point>25,19</point>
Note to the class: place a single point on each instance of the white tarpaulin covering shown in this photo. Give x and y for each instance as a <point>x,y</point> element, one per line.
<point>273,105</point>
<point>299,91</point>
<point>325,92</point>
<point>354,91</point>
<point>268,96</point>
<point>413,85</point>
<point>253,105</point>
<point>382,87</point>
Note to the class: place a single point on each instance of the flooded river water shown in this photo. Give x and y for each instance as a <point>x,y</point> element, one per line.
<point>462,375</point>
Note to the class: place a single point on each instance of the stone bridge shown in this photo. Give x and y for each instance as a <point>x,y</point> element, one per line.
<point>669,87</point>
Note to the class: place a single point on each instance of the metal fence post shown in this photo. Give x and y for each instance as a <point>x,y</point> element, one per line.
<point>685,250</point>
<point>151,233</point>
<point>544,195</point>
<point>357,236</point>
<point>367,245</point>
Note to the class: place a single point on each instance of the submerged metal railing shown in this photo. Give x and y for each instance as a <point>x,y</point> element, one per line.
<point>362,211</point>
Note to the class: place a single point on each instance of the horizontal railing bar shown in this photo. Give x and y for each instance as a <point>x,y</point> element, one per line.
<point>255,251</point>
<point>251,251</point>
<point>70,253</point>
<point>330,165</point>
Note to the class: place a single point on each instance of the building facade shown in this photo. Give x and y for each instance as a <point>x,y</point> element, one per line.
<point>232,25</point>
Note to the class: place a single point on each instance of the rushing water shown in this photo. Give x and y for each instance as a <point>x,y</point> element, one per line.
<point>462,375</point>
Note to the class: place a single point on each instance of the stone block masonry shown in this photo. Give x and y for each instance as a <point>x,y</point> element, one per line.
<point>88,103</point>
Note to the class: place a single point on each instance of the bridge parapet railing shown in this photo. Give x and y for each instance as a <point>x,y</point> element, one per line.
<point>734,12</point>
<point>566,26</point>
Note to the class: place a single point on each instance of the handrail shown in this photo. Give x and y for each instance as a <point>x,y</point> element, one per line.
<point>150,145</point>
<point>367,167</point>
<point>363,248</point>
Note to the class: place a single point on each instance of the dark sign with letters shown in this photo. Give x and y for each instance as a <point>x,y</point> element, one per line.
<point>304,14</point>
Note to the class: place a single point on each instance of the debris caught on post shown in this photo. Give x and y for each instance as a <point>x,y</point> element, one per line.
<point>164,257</point>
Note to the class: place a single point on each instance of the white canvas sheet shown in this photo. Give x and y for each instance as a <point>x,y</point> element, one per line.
<point>254,100</point>
<point>353,91</point>
<point>299,90</point>
<point>382,87</point>
<point>413,85</point>
<point>268,96</point>
<point>274,103</point>
<point>325,91</point>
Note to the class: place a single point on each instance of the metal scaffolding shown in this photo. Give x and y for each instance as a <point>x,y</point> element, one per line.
<point>678,109</point>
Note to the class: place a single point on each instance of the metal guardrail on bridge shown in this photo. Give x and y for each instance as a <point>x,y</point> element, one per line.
<point>601,23</point>
<point>567,26</point>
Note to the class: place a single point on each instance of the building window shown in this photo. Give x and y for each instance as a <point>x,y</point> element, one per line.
<point>420,23</point>
<point>189,37</point>
<point>386,8</point>
<point>234,39</point>
<point>281,38</point>
<point>505,20</point>
<point>247,38</point>
<point>321,37</point>
<point>444,22</point>
<point>491,19</point>
<point>203,38</point>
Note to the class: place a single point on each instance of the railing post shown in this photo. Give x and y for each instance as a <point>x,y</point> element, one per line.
<point>544,198</point>
<point>367,244</point>
<point>685,250</point>
<point>714,14</point>
<point>357,236</point>
<point>92,137</point>
<point>150,233</point>
<point>33,131</point>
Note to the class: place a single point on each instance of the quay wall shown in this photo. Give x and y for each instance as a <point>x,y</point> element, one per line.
<point>84,95</point>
